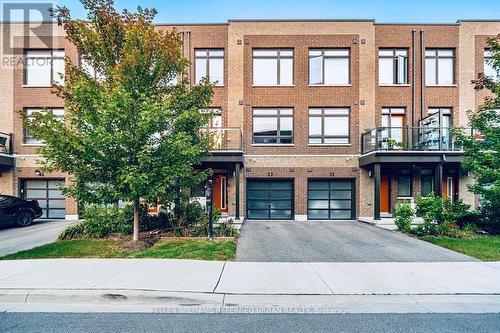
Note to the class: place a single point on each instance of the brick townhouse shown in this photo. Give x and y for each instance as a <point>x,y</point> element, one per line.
<point>325,119</point>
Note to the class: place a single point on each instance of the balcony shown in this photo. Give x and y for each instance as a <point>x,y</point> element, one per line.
<point>409,144</point>
<point>6,151</point>
<point>226,145</point>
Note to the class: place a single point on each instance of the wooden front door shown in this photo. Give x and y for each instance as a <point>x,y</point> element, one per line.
<point>448,187</point>
<point>384,193</point>
<point>220,192</point>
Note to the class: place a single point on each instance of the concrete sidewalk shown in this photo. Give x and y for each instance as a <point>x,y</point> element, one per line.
<point>31,284</point>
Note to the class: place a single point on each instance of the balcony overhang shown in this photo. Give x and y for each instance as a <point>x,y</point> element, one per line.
<point>223,157</point>
<point>6,162</point>
<point>408,156</point>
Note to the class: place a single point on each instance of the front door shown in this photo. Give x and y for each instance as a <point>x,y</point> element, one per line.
<point>448,184</point>
<point>384,193</point>
<point>220,192</point>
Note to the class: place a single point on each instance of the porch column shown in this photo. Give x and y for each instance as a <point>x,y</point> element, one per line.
<point>376,201</point>
<point>438,180</point>
<point>237,178</point>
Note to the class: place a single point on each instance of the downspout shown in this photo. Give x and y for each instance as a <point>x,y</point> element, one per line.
<point>422,73</point>
<point>414,77</point>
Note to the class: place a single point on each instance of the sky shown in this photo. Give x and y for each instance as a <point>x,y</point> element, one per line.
<point>206,11</point>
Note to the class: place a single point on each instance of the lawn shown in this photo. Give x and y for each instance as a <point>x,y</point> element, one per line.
<point>484,248</point>
<point>91,248</point>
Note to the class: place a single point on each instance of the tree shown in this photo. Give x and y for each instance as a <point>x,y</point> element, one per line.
<point>128,133</point>
<point>482,150</point>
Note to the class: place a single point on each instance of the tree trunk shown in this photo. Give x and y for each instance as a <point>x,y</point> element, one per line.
<point>136,220</point>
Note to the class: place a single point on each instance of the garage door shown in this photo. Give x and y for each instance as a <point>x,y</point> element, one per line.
<point>49,196</point>
<point>270,199</point>
<point>330,200</point>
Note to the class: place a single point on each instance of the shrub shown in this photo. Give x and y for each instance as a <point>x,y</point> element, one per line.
<point>188,214</point>
<point>430,208</point>
<point>403,217</point>
<point>223,229</point>
<point>99,222</point>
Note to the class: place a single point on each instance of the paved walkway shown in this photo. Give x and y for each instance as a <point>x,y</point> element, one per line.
<point>334,241</point>
<point>41,232</point>
<point>140,285</point>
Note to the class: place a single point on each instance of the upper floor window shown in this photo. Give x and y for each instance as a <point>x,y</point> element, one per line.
<point>439,67</point>
<point>329,66</point>
<point>272,67</point>
<point>43,67</point>
<point>216,120</point>
<point>489,71</point>
<point>273,126</point>
<point>393,66</point>
<point>329,126</point>
<point>28,137</point>
<point>88,69</point>
<point>209,63</point>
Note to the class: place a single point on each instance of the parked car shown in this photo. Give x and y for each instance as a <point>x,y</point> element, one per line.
<point>17,211</point>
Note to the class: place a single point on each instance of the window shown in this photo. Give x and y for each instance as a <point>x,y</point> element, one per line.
<point>439,67</point>
<point>393,66</point>
<point>272,67</point>
<point>489,71</point>
<point>209,63</point>
<point>329,66</point>
<point>88,69</point>
<point>273,126</point>
<point>404,183</point>
<point>328,126</point>
<point>43,67</point>
<point>427,179</point>
<point>216,120</point>
<point>28,138</point>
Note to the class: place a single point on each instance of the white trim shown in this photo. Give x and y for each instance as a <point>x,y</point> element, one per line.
<point>301,218</point>
<point>71,217</point>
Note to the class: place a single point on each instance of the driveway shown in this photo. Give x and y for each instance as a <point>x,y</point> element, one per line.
<point>333,241</point>
<point>39,233</point>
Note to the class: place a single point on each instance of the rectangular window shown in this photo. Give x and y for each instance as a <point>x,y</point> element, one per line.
<point>28,138</point>
<point>209,63</point>
<point>43,67</point>
<point>393,66</point>
<point>427,178</point>
<point>404,183</point>
<point>329,66</point>
<point>489,71</point>
<point>272,67</point>
<point>439,67</point>
<point>273,126</point>
<point>328,126</point>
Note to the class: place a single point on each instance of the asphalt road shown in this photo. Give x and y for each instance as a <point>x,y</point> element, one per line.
<point>333,241</point>
<point>41,232</point>
<point>121,322</point>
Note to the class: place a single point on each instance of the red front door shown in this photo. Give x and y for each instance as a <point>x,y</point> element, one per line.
<point>220,192</point>
<point>384,193</point>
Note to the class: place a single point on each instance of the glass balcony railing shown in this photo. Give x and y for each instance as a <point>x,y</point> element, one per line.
<point>409,139</point>
<point>225,139</point>
<point>6,143</point>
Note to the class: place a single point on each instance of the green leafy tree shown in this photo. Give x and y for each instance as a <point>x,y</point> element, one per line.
<point>482,149</point>
<point>128,133</point>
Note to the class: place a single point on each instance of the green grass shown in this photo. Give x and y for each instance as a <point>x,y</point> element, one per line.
<point>484,247</point>
<point>92,248</point>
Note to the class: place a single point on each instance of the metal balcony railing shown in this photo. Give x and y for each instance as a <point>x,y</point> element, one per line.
<point>6,143</point>
<point>225,139</point>
<point>409,139</point>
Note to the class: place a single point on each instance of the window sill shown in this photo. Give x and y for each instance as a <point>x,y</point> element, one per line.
<point>30,86</point>
<point>273,145</point>
<point>330,85</point>
<point>441,85</point>
<point>33,145</point>
<point>273,86</point>
<point>329,144</point>
<point>394,85</point>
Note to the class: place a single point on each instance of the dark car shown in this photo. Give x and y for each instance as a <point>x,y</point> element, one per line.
<point>18,211</point>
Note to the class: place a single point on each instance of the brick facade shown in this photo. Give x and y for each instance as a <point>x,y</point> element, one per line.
<point>237,98</point>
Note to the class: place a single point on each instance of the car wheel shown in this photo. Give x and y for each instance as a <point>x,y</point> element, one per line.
<point>24,218</point>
